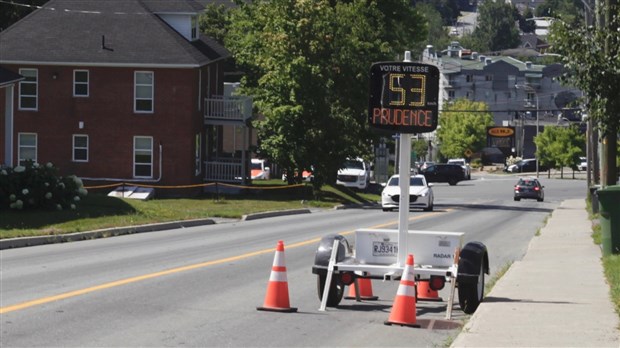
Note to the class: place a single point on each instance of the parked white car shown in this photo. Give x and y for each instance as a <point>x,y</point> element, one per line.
<point>464,164</point>
<point>355,173</point>
<point>259,170</point>
<point>583,165</point>
<point>420,194</point>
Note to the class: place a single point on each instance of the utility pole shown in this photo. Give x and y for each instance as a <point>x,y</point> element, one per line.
<point>610,138</point>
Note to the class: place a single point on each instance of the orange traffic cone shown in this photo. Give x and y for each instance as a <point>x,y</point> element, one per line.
<point>404,308</point>
<point>365,290</point>
<point>276,299</point>
<point>425,293</point>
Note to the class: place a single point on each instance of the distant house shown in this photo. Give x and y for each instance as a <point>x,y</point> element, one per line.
<point>533,41</point>
<point>517,92</point>
<point>122,90</point>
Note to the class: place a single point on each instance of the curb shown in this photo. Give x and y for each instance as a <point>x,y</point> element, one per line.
<point>358,206</point>
<point>103,233</point>
<point>22,242</point>
<point>267,214</point>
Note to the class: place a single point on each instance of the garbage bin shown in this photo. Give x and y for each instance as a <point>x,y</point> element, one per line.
<point>610,219</point>
<point>594,198</point>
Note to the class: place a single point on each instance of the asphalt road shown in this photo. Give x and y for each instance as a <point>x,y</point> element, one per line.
<point>200,286</point>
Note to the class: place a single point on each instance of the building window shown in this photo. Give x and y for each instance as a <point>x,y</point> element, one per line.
<point>451,79</point>
<point>80,148</point>
<point>143,157</point>
<point>28,89</point>
<point>27,147</point>
<point>143,91</point>
<point>531,97</point>
<point>451,94</point>
<point>194,28</point>
<point>469,78</point>
<point>512,80</point>
<point>488,77</point>
<point>80,83</point>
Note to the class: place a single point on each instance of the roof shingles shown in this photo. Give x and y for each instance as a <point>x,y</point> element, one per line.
<point>111,32</point>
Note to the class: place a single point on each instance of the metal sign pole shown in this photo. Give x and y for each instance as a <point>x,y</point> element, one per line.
<point>404,172</point>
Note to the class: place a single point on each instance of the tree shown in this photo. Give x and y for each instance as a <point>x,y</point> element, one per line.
<point>307,67</point>
<point>448,9</point>
<point>526,24</point>
<point>496,28</point>
<point>214,21</point>
<point>463,127</point>
<point>420,147</point>
<point>437,32</point>
<point>592,60</point>
<point>11,12</point>
<point>568,10</point>
<point>559,147</point>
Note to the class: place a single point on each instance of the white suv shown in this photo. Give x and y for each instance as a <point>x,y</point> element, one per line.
<point>464,164</point>
<point>354,173</point>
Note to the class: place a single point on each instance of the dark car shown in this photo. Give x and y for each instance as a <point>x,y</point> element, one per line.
<point>525,166</point>
<point>529,188</point>
<point>450,173</point>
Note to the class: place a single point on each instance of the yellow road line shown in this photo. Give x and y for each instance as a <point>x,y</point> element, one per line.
<point>44,300</point>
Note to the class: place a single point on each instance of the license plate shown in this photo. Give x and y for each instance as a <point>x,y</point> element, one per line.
<point>384,248</point>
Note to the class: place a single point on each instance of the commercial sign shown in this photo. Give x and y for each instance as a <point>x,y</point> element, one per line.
<point>501,131</point>
<point>403,97</point>
<point>502,138</point>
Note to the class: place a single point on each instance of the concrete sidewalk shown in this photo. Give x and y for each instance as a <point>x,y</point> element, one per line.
<point>556,296</point>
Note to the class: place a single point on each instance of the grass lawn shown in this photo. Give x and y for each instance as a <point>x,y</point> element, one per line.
<point>98,211</point>
<point>611,265</point>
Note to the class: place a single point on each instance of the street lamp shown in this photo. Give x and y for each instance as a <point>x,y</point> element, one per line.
<point>529,88</point>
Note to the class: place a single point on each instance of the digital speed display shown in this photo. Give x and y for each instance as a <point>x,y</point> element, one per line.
<point>403,97</point>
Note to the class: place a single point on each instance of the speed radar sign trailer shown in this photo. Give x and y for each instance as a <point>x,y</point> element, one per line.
<point>403,99</point>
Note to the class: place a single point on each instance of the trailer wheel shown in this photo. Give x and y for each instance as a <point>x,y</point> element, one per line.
<point>470,294</point>
<point>336,289</point>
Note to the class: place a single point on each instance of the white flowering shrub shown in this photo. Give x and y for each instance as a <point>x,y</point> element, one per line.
<point>33,186</point>
<point>512,160</point>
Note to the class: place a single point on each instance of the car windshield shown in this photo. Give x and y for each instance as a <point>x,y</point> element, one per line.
<point>256,165</point>
<point>415,181</point>
<point>462,163</point>
<point>528,183</point>
<point>353,165</point>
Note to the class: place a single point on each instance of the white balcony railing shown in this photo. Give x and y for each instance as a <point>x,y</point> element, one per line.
<point>235,108</point>
<point>224,170</point>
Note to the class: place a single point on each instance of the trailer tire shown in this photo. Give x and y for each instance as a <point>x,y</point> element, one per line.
<point>471,294</point>
<point>335,292</point>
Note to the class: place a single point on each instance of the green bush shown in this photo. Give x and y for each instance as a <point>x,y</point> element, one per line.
<point>33,186</point>
<point>476,163</point>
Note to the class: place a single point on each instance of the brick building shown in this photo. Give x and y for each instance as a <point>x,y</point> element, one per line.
<point>119,90</point>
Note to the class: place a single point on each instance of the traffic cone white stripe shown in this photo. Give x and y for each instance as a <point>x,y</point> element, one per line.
<point>277,276</point>
<point>406,288</point>
<point>278,260</point>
